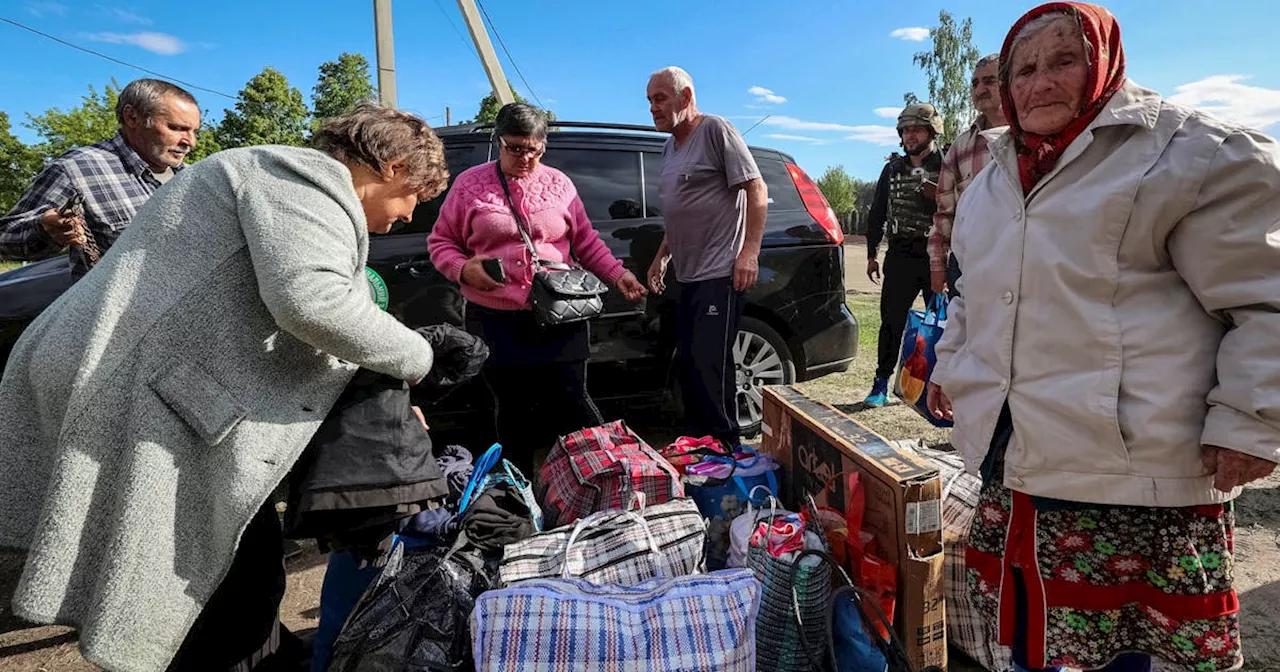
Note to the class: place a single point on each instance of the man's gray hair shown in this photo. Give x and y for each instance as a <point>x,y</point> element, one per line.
<point>989,59</point>
<point>680,79</point>
<point>146,97</point>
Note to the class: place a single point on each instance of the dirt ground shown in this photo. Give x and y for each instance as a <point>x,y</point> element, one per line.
<point>24,648</point>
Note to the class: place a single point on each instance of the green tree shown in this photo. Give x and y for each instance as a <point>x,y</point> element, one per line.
<point>949,66</point>
<point>343,84</point>
<point>93,121</point>
<point>207,141</point>
<point>836,185</point>
<point>489,106</point>
<point>268,112</point>
<point>19,164</point>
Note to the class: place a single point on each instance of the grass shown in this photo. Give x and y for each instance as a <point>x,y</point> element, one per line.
<point>9,265</point>
<point>846,390</point>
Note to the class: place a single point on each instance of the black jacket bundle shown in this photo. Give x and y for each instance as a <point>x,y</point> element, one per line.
<point>371,462</point>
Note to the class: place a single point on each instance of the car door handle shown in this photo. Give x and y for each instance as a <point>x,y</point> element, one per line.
<point>417,268</point>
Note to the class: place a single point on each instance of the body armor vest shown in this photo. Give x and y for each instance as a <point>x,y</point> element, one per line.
<point>910,208</point>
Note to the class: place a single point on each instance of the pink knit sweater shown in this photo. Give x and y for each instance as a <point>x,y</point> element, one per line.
<point>475,220</point>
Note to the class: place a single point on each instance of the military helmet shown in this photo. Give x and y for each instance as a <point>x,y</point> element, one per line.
<point>920,114</point>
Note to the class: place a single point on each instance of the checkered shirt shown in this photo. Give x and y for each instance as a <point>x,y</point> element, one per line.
<point>966,158</point>
<point>682,624</point>
<point>114,182</point>
<point>603,468</point>
<point>615,548</point>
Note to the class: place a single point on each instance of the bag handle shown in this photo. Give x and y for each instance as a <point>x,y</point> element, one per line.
<point>482,467</point>
<point>655,552</point>
<point>938,306</point>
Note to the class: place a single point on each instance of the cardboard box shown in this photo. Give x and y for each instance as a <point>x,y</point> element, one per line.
<point>816,443</point>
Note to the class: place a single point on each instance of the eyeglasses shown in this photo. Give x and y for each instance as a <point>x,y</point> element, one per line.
<point>522,151</point>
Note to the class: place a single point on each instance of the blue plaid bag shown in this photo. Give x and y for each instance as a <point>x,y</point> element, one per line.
<point>696,622</point>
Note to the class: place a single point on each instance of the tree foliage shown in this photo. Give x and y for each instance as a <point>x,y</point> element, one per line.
<point>93,121</point>
<point>949,66</point>
<point>268,112</point>
<point>489,106</point>
<point>343,83</point>
<point>837,186</point>
<point>18,165</point>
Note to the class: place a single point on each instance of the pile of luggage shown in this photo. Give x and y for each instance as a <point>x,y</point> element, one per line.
<point>607,563</point>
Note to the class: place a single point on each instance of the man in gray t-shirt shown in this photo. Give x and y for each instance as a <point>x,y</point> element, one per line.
<point>714,205</point>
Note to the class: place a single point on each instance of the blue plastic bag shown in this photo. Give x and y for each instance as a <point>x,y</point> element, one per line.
<point>915,365</point>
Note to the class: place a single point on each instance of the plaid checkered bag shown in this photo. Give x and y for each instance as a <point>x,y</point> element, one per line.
<point>612,547</point>
<point>603,468</point>
<point>967,630</point>
<point>699,622</point>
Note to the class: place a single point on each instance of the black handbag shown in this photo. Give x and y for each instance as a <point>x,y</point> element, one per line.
<point>561,293</point>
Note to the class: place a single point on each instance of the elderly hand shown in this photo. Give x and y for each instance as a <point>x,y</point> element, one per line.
<point>630,287</point>
<point>938,281</point>
<point>746,270</point>
<point>657,271</point>
<point>63,229</point>
<point>1232,468</point>
<point>474,275</point>
<point>939,403</point>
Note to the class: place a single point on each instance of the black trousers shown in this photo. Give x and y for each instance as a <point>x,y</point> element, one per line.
<point>953,276</point>
<point>707,319</point>
<point>243,612</point>
<point>536,404</point>
<point>906,276</point>
<point>538,378</point>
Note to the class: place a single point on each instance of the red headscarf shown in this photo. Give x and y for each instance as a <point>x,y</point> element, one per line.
<point>1037,154</point>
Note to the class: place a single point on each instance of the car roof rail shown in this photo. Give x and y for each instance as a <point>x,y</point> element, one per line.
<point>554,125</point>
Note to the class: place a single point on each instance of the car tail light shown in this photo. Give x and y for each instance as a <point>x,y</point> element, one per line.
<point>816,204</point>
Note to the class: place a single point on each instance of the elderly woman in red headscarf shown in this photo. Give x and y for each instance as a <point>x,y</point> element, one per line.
<point>1112,364</point>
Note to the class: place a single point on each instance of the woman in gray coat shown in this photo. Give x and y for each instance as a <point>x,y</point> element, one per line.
<point>147,415</point>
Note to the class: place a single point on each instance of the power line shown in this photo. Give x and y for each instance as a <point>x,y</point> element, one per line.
<point>753,127</point>
<point>114,60</point>
<point>508,53</point>
<point>456,30</point>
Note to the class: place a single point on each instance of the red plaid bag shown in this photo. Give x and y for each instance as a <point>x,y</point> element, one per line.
<point>603,468</point>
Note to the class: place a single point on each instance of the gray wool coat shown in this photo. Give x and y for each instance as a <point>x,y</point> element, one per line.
<point>149,412</point>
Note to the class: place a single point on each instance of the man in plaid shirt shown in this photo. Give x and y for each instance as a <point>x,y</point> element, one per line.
<point>158,125</point>
<point>963,161</point>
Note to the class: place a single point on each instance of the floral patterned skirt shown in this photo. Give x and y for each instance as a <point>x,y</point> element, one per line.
<point>1101,581</point>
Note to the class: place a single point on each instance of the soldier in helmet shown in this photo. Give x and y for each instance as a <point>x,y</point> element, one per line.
<point>903,212</point>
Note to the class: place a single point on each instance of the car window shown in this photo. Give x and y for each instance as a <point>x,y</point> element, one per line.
<point>608,181</point>
<point>783,194</point>
<point>459,157</point>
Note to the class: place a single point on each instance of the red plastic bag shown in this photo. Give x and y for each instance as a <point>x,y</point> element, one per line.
<point>688,450</point>
<point>881,579</point>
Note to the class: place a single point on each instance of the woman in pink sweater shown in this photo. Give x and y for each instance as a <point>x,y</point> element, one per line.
<point>530,366</point>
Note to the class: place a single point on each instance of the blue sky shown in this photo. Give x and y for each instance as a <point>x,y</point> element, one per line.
<point>831,73</point>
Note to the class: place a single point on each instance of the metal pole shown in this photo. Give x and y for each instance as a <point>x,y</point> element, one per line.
<point>386,52</point>
<point>488,58</point>
<point>448,120</point>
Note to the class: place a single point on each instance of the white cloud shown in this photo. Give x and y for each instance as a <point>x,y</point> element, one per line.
<point>127,16</point>
<point>888,112</point>
<point>796,138</point>
<point>912,34</point>
<point>43,9</point>
<point>1226,97</point>
<point>764,95</point>
<point>793,124</point>
<point>160,43</point>
<point>885,136</point>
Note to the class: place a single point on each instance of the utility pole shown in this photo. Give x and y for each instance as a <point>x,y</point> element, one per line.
<point>386,52</point>
<point>448,119</point>
<point>488,58</point>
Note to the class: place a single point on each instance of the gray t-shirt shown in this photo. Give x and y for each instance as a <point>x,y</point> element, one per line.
<point>703,206</point>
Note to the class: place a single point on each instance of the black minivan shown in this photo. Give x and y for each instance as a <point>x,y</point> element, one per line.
<point>796,325</point>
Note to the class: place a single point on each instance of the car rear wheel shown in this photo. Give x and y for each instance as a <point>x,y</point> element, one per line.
<point>760,358</point>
